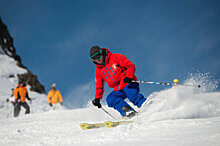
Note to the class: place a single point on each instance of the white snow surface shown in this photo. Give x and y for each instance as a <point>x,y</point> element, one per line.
<point>178,116</point>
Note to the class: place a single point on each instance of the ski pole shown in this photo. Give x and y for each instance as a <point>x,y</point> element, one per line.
<point>159,83</point>
<point>107,113</point>
<point>8,112</point>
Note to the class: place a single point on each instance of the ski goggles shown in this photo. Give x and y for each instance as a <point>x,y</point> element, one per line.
<point>96,56</point>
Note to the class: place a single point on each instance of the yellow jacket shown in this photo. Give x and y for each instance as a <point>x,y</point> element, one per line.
<point>54,97</point>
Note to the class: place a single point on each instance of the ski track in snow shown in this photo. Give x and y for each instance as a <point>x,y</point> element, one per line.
<point>159,123</point>
<point>62,128</point>
<point>178,116</point>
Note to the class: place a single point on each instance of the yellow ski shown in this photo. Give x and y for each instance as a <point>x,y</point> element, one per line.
<point>86,126</point>
<point>110,124</point>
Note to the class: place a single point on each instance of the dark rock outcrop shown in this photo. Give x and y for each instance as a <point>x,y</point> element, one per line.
<point>7,48</point>
<point>32,80</point>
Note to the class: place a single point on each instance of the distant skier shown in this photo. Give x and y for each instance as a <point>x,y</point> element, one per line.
<point>20,94</point>
<point>54,97</point>
<point>118,72</point>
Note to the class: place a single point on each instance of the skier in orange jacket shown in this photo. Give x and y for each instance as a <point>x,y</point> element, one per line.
<point>54,96</point>
<point>20,94</point>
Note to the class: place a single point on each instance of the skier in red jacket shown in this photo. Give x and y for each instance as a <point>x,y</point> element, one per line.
<point>118,72</point>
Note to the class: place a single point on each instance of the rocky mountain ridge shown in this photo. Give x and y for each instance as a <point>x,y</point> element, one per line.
<point>7,48</point>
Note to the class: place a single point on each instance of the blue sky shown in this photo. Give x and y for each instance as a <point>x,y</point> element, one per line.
<point>165,39</point>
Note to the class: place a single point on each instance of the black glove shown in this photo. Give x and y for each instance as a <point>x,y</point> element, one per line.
<point>50,104</point>
<point>96,102</point>
<point>61,103</point>
<point>127,80</point>
<point>7,100</point>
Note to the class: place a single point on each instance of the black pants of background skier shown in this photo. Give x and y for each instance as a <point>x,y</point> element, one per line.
<point>17,108</point>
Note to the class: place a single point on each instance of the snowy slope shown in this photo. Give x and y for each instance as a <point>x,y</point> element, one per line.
<point>179,116</point>
<point>9,80</point>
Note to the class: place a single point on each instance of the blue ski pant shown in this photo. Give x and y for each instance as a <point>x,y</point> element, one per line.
<point>116,98</point>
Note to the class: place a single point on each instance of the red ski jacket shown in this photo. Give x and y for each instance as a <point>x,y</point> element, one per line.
<point>115,69</point>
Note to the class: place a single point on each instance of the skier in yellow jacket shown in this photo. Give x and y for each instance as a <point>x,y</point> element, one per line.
<point>54,96</point>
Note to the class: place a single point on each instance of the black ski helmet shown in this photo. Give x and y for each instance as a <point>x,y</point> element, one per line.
<point>94,50</point>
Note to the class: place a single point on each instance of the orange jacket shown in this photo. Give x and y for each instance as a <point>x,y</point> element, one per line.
<point>21,93</point>
<point>16,92</point>
<point>54,97</point>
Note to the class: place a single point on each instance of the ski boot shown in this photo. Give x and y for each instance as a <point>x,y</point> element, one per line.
<point>130,113</point>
